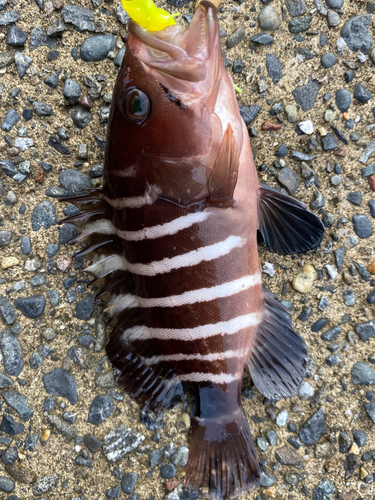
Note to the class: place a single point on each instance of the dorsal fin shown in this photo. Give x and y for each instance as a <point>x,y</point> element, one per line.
<point>224,174</point>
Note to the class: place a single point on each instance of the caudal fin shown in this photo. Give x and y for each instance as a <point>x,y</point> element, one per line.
<point>222,460</point>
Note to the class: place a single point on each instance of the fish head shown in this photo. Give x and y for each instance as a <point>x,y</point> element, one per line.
<point>164,123</point>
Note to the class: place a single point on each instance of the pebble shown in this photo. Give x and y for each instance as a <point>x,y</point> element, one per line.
<point>343,99</point>
<point>128,482</point>
<point>71,90</point>
<point>42,108</point>
<point>53,80</point>
<point>6,484</point>
<point>328,60</point>
<point>324,491</point>
<point>262,39</point>
<point>9,17</point>
<point>45,484</point>
<point>92,443</point>
<point>82,19</point>
<point>7,311</point>
<point>119,442</point>
<point>300,24</point>
<point>101,408</point>
<point>97,47</point>
<point>306,95</point>
<point>10,426</point>
<point>359,437</point>
<point>19,403</point>
<point>67,232</point>
<point>362,226</point>
<point>356,33</point>
<point>274,68</point>
<point>361,93</point>
<point>304,280</point>
<point>84,308</point>
<point>12,353</point>
<point>313,429</point>
<point>39,38</point>
<point>269,19</point>
<point>333,19</point>
<point>296,8</point>
<point>236,37</point>
<point>355,198</point>
<point>31,307</point>
<point>16,37</point>
<point>288,179</point>
<point>180,457</point>
<point>81,118</point>
<point>282,418</point>
<point>11,119</point>
<point>362,374</point>
<point>61,383</point>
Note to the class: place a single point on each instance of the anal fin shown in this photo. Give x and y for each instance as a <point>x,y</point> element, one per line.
<point>278,359</point>
<point>285,224</point>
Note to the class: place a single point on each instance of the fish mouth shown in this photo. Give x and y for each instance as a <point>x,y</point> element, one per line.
<point>177,53</point>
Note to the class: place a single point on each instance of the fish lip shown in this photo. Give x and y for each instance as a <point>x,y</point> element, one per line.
<point>177,52</point>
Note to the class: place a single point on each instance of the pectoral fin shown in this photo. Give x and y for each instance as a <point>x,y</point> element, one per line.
<point>224,174</point>
<point>285,224</point>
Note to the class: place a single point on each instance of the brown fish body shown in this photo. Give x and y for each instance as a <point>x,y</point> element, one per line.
<point>173,237</point>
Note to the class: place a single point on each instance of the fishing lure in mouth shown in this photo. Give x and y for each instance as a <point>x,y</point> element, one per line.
<point>147,15</point>
<point>172,239</point>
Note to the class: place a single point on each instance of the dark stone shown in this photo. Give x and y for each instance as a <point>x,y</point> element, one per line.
<point>236,37</point>
<point>91,443</point>
<point>249,113</point>
<point>55,143</point>
<point>129,481</point>
<point>324,490</point>
<point>10,17</point>
<point>12,353</point>
<point>18,402</point>
<point>313,429</point>
<point>84,308</point>
<point>120,57</point>
<point>306,95</point>
<point>44,215</point>
<point>328,60</point>
<point>331,334</point>
<point>361,93</point>
<point>31,307</point>
<point>82,19</point>
<point>10,455</point>
<point>329,142</point>
<point>345,442</point>
<point>282,151</point>
<point>362,374</point>
<point>67,232</point>
<point>339,257</point>
<point>81,118</point>
<point>167,471</point>
<point>343,99</point>
<point>71,90</point>
<point>7,311</point>
<point>371,205</point>
<point>355,198</point>
<point>274,68</point>
<point>23,63</point>
<point>288,180</point>
<point>10,426</point>
<point>7,484</point>
<point>350,465</point>
<point>359,437</point>
<point>296,7</point>
<point>101,408</point>
<point>16,37</point>
<point>300,24</point>
<point>11,119</point>
<point>74,182</point>
<point>52,81</point>
<point>42,108</point>
<point>365,330</point>
<point>356,33</point>
<point>62,384</point>
<point>53,55</point>
<point>318,325</point>
<point>362,226</point>
<point>39,38</point>
<point>262,39</point>
<point>96,48</point>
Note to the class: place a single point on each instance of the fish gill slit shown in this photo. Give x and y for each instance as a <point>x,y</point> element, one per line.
<point>173,98</point>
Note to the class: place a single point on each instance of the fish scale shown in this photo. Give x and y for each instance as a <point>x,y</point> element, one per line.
<point>172,239</point>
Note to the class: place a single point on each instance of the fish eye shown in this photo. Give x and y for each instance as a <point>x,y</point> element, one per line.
<point>136,106</point>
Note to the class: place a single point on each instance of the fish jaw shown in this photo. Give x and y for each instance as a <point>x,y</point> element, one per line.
<point>188,62</point>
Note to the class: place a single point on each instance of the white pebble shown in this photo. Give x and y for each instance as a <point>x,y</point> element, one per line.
<point>361,57</point>
<point>341,44</point>
<point>306,127</point>
<point>331,271</point>
<point>269,269</point>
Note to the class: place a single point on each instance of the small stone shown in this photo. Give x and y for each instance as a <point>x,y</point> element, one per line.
<point>7,484</point>
<point>324,490</point>
<point>304,280</point>
<point>306,95</point>
<point>82,19</point>
<point>328,60</point>
<point>8,262</point>
<point>61,383</point>
<point>9,17</point>
<point>360,438</point>
<point>7,311</point>
<point>300,24</point>
<point>286,456</point>
<point>305,391</point>
<point>16,37</point>
<point>313,429</point>
<point>53,80</point>
<point>288,179</point>
<point>81,118</point>
<point>92,443</point>
<point>269,19</point>
<point>31,307</point>
<point>97,47</point>
<point>45,484</point>
<point>128,482</point>
<point>345,442</point>
<point>42,108</point>
<point>101,408</point>
<point>11,119</point>
<point>274,68</point>
<point>355,198</point>
<point>362,374</point>
<point>84,308</point>
<point>333,19</point>
<point>168,471</point>
<point>262,39</point>
<point>362,226</point>
<point>356,33</point>
<point>180,457</point>
<point>236,37</point>
<point>119,442</point>
<point>370,408</point>
<point>12,353</point>
<point>343,99</point>
<point>361,93</point>
<point>39,38</point>
<point>282,418</point>
<point>71,90</point>
<point>296,8</point>
<point>10,426</point>
<point>19,403</point>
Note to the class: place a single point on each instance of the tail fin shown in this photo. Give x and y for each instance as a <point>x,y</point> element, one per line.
<point>222,460</point>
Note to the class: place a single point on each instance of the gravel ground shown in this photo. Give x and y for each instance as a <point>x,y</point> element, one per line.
<point>307,76</point>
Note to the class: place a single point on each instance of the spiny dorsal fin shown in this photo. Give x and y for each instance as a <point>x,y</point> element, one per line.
<point>278,359</point>
<point>285,224</point>
<point>223,177</point>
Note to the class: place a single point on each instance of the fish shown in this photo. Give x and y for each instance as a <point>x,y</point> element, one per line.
<point>173,241</point>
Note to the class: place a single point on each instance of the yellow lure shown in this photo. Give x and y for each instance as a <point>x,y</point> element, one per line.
<point>147,15</point>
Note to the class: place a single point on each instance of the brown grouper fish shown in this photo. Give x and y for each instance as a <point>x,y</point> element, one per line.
<point>173,241</point>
